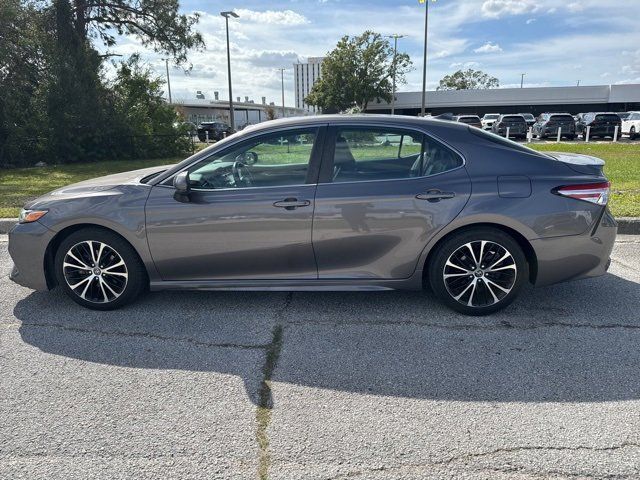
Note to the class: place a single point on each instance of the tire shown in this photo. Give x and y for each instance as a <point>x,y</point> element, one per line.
<point>120,276</point>
<point>571,137</point>
<point>632,133</point>
<point>490,293</point>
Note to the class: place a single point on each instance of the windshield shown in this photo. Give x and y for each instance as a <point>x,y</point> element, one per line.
<point>562,118</point>
<point>491,116</point>
<point>528,116</point>
<point>608,117</point>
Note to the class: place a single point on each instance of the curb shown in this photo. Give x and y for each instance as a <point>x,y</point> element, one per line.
<point>626,225</point>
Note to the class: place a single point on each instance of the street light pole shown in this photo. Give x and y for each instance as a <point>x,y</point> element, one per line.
<point>226,16</point>
<point>522,79</point>
<point>282,80</point>
<point>395,37</point>
<point>424,59</point>
<point>166,64</point>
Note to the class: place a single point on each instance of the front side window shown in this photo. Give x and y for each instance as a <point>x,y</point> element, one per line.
<point>275,159</point>
<point>367,154</point>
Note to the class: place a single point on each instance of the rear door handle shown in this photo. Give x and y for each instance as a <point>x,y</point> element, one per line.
<point>435,195</point>
<point>292,203</point>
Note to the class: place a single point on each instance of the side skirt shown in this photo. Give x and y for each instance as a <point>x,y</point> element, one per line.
<point>358,285</point>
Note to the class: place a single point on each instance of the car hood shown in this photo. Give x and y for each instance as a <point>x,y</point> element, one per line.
<point>108,182</point>
<point>96,186</point>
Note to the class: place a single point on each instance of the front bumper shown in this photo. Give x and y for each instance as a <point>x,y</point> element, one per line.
<point>27,247</point>
<point>573,257</point>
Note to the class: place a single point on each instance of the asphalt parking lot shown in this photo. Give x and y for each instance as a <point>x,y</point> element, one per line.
<point>323,385</point>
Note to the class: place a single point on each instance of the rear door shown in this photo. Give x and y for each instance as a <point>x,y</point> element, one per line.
<point>383,193</point>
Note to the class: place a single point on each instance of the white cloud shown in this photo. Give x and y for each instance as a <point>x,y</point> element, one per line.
<point>464,65</point>
<point>575,7</point>
<point>489,48</point>
<point>272,17</point>
<point>500,8</point>
<point>530,21</point>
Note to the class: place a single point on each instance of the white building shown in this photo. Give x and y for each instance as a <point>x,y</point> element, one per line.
<point>305,75</point>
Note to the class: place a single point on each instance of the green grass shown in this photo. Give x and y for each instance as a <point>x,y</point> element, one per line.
<point>19,185</point>
<point>622,167</point>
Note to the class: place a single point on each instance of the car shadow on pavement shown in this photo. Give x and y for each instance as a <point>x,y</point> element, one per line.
<point>574,342</point>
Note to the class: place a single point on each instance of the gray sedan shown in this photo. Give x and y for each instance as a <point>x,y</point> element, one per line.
<point>327,203</point>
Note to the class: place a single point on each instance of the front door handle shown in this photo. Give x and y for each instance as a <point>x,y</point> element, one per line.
<point>292,203</point>
<point>435,195</point>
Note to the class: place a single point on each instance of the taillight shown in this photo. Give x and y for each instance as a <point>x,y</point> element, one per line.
<point>597,193</point>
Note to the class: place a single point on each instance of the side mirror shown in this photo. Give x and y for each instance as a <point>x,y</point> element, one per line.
<point>181,183</point>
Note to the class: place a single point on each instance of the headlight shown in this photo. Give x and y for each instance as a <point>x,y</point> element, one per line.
<point>28,216</point>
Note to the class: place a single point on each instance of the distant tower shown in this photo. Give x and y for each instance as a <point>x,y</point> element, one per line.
<point>305,76</point>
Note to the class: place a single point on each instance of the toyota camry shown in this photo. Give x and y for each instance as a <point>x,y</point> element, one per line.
<point>327,203</point>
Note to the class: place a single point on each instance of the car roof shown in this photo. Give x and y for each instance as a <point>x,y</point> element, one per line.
<point>364,119</point>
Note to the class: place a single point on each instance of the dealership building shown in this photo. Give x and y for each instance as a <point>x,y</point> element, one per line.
<point>599,98</point>
<point>246,112</point>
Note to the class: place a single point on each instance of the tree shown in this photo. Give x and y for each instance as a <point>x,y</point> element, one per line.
<point>468,80</point>
<point>156,23</point>
<point>358,70</point>
<point>146,120</point>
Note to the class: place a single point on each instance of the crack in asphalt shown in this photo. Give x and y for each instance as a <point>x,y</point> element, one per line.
<point>471,456</point>
<point>265,394</point>
<point>504,325</point>
<point>152,336</point>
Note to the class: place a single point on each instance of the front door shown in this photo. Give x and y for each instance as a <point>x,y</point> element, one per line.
<point>383,193</point>
<point>248,215</point>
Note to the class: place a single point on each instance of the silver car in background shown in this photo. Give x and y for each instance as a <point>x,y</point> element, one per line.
<point>368,202</point>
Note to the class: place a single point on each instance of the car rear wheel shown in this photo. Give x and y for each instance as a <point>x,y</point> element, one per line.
<point>632,133</point>
<point>478,271</point>
<point>99,269</point>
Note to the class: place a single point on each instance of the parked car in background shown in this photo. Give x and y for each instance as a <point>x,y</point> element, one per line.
<point>470,214</point>
<point>488,120</point>
<point>631,125</point>
<point>529,118</point>
<point>473,120</point>
<point>603,124</point>
<point>216,131</point>
<point>516,124</point>
<point>548,124</point>
<point>623,115</point>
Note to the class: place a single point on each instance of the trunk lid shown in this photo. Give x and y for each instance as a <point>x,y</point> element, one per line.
<point>586,164</point>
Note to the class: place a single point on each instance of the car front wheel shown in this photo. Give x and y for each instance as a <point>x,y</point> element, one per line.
<point>478,271</point>
<point>99,269</point>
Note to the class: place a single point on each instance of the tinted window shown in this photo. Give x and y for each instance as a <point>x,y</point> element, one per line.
<point>560,118</point>
<point>268,160</point>
<point>363,154</point>
<point>608,117</point>
<point>503,141</point>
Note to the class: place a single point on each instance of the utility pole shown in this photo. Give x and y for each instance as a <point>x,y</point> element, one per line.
<point>226,16</point>
<point>166,64</point>
<point>424,58</point>
<point>282,81</point>
<point>522,79</point>
<point>395,37</point>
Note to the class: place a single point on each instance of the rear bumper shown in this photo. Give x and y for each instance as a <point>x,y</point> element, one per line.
<point>573,257</point>
<point>27,246</point>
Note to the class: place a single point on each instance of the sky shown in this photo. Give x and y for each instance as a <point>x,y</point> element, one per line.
<point>555,43</point>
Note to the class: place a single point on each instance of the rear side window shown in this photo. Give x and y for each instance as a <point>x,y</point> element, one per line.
<point>491,137</point>
<point>369,154</point>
